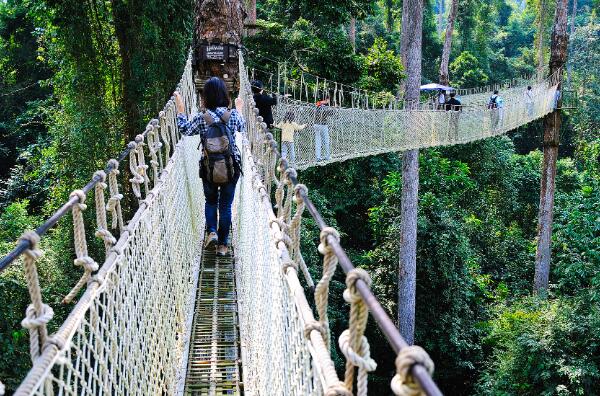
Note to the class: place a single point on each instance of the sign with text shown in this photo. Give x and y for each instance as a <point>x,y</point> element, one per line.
<point>215,52</point>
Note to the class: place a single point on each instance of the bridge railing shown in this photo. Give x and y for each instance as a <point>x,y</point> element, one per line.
<point>128,331</point>
<point>413,365</point>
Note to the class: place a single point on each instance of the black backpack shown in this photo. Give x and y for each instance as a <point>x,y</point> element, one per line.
<point>493,104</point>
<point>217,165</point>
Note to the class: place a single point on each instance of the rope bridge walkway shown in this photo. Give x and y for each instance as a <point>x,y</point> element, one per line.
<point>157,311</point>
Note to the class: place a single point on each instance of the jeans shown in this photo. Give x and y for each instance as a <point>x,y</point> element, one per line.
<point>288,151</point>
<point>322,137</point>
<point>221,197</point>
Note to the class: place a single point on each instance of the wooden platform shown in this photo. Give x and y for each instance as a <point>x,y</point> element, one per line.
<point>213,363</point>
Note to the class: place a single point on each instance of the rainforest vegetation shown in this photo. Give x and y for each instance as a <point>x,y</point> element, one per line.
<point>78,80</point>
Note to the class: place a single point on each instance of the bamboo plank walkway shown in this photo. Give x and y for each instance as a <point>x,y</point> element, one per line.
<point>213,364</point>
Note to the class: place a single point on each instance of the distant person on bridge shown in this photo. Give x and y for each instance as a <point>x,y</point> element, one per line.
<point>288,128</point>
<point>322,113</point>
<point>496,105</point>
<point>529,101</point>
<point>441,100</point>
<point>221,162</point>
<point>264,102</point>
<point>454,106</point>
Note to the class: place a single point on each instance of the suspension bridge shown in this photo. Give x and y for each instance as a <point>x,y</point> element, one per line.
<point>158,316</point>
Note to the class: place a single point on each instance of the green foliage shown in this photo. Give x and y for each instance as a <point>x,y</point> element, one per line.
<point>382,70</point>
<point>465,71</point>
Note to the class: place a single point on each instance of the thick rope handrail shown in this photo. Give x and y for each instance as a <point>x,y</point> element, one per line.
<point>102,231</point>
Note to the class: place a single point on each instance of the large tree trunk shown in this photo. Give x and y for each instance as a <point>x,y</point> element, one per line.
<point>219,21</point>
<point>444,79</point>
<point>251,16</point>
<point>540,38</point>
<point>558,58</point>
<point>412,22</point>
<point>571,37</point>
<point>127,18</point>
<point>352,33</point>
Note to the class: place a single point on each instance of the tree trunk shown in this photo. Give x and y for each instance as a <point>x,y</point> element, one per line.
<point>540,38</point>
<point>444,79</point>
<point>219,21</point>
<point>251,16</point>
<point>558,58</point>
<point>411,38</point>
<point>352,33</point>
<point>571,37</point>
<point>127,18</point>
<point>389,17</point>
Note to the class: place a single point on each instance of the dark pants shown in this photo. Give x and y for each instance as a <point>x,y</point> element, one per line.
<point>219,197</point>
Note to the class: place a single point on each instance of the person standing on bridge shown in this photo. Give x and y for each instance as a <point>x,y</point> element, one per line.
<point>219,189</point>
<point>454,106</point>
<point>529,101</point>
<point>322,112</point>
<point>288,129</point>
<point>264,102</point>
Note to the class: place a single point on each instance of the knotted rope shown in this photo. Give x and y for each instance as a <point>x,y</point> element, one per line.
<point>330,262</point>
<point>37,314</point>
<point>114,202</point>
<point>295,225</point>
<point>352,342</point>
<point>286,214</point>
<point>164,133</point>
<point>403,383</point>
<point>102,230</point>
<point>141,160</point>
<point>81,251</point>
<point>137,179</point>
<point>280,186</point>
<point>154,146</point>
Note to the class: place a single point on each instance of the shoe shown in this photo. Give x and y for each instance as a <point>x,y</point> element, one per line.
<point>222,250</point>
<point>211,240</point>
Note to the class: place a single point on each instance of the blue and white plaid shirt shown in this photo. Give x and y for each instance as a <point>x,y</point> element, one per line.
<point>197,126</point>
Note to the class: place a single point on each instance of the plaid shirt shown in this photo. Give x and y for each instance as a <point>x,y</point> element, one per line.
<point>197,126</point>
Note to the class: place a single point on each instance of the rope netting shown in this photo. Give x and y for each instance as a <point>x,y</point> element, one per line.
<point>127,332</point>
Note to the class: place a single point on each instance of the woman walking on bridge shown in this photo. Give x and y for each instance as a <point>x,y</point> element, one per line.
<point>221,164</point>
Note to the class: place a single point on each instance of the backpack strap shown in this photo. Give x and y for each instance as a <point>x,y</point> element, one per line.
<point>208,118</point>
<point>226,116</point>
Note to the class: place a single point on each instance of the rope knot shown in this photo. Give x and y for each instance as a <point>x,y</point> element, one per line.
<point>33,239</point>
<point>57,341</point>
<point>33,321</point>
<point>350,294</point>
<point>131,145</point>
<point>290,173</point>
<point>314,325</point>
<point>360,359</point>
<point>324,247</point>
<point>87,263</point>
<point>300,191</point>
<point>403,383</point>
<point>102,175</point>
<point>106,236</point>
<point>80,194</point>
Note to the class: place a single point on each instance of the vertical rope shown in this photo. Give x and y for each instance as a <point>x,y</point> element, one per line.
<point>81,251</point>
<point>352,342</point>
<point>295,226</point>
<point>37,314</point>
<point>330,262</point>
<point>114,202</point>
<point>102,231</point>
